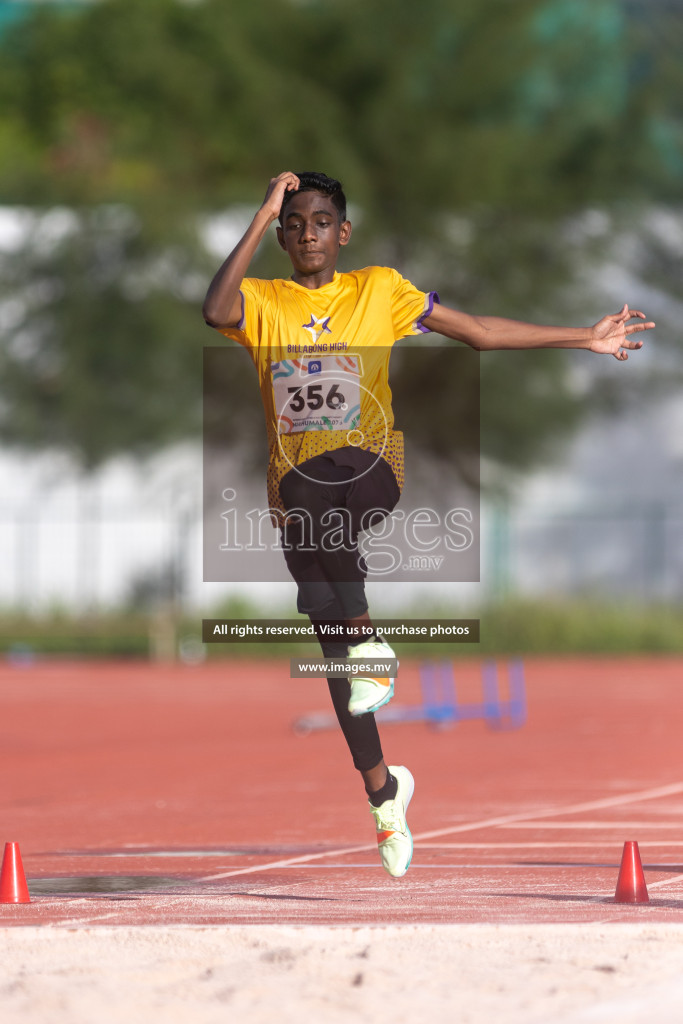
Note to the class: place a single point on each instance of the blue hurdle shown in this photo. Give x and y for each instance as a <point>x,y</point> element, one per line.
<point>440,700</point>
<point>440,707</point>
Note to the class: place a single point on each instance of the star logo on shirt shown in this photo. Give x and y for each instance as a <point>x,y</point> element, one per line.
<point>317,326</point>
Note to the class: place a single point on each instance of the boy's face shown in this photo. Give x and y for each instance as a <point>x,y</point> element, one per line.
<point>311,235</point>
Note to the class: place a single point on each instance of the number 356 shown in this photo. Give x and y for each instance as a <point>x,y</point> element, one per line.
<point>314,399</point>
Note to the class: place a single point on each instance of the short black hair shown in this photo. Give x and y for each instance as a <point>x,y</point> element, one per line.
<point>315,181</point>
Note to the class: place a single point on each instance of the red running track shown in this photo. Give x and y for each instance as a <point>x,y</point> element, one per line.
<point>145,794</point>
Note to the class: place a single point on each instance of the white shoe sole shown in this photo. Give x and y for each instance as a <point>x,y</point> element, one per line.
<point>357,712</point>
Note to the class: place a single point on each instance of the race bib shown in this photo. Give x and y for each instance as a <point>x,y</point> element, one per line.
<point>320,393</point>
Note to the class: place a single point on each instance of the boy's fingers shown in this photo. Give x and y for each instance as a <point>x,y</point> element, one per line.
<point>640,327</point>
<point>287,178</point>
<point>290,179</point>
<point>287,181</point>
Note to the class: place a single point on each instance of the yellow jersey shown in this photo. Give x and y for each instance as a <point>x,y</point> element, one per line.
<point>322,358</point>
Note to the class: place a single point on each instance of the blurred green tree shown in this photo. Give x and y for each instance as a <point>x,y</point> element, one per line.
<point>469,133</point>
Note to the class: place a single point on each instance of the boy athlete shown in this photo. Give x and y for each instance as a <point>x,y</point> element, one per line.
<point>335,459</point>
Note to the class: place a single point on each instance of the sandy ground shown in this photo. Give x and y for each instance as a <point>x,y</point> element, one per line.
<point>472,974</point>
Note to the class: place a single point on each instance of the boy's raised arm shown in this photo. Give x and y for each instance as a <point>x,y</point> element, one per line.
<point>222,305</point>
<point>610,336</point>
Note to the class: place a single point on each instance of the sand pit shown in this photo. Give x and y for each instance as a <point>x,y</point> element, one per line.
<point>472,974</point>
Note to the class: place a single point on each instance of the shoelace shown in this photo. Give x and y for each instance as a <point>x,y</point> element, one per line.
<point>374,647</point>
<point>389,821</point>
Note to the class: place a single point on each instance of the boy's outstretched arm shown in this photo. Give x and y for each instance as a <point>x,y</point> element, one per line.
<point>223,305</point>
<point>610,336</point>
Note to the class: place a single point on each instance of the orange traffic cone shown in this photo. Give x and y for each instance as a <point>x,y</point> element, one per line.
<point>631,886</point>
<point>13,888</point>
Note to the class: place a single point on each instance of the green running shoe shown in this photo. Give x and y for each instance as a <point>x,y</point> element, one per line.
<point>393,835</point>
<point>368,693</point>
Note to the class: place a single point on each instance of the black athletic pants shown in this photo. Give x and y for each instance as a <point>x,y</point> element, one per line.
<point>338,494</point>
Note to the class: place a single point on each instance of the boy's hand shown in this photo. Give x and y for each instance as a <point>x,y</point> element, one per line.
<point>285,182</point>
<point>610,335</point>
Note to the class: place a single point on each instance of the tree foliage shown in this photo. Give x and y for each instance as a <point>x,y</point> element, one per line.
<point>467,133</point>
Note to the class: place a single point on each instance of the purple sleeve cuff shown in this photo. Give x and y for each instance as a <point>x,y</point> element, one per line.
<point>428,310</point>
<point>240,326</point>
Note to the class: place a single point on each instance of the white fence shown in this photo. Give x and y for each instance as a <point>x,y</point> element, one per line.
<point>90,552</point>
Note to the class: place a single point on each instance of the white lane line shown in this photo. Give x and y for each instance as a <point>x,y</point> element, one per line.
<point>598,825</point>
<point>637,796</point>
<point>665,881</point>
<point>371,865</point>
<point>587,845</point>
<point>72,922</point>
<point>305,858</point>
